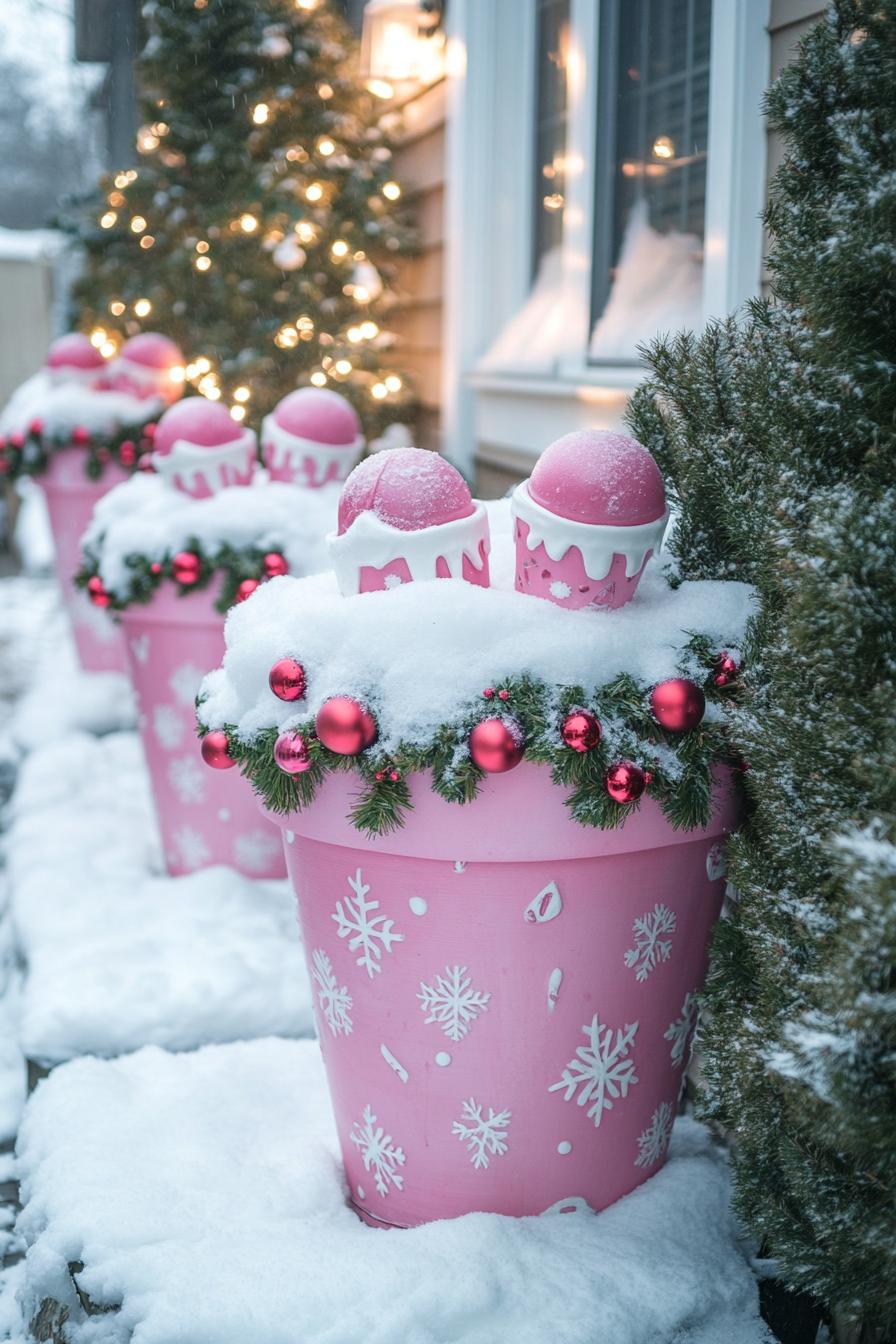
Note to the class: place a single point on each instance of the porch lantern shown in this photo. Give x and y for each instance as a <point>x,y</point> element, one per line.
<point>401,45</point>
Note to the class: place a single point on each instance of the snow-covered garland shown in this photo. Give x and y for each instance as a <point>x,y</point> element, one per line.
<point>29,452</point>
<point>609,747</point>
<point>240,569</point>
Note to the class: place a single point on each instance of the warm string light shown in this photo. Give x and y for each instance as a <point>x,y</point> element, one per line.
<point>248,223</point>
<point>391,191</point>
<point>108,349</point>
<point>147,241</point>
<point>339,248</point>
<point>379,391</point>
<point>325,91</point>
<point>138,224</point>
<point>242,393</point>
<point>98,336</point>
<point>108,219</point>
<point>319,378</point>
<point>305,232</point>
<point>260,113</point>
<point>142,308</point>
<point>202,263</point>
<point>238,412</point>
<point>202,245</point>
<point>326,147</point>
<point>116,308</point>
<point>314,192</point>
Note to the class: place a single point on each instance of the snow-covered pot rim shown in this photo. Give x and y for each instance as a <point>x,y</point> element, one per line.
<point>106,428</point>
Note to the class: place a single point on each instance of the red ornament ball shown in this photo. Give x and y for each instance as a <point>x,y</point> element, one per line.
<point>625,782</point>
<point>678,704</point>
<point>98,595</point>
<point>185,568</point>
<point>17,440</point>
<point>155,567</point>
<point>246,589</point>
<point>725,668</point>
<point>345,726</point>
<point>149,431</point>
<point>287,679</point>
<point>291,753</point>
<point>80,436</point>
<point>496,745</point>
<point>275,564</point>
<point>127,453</point>
<point>215,750</point>
<point>36,427</point>
<point>581,731</point>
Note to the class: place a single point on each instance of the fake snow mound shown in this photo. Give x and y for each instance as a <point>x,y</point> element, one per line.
<point>204,1195</point>
<point>118,955</point>
<point>62,407</point>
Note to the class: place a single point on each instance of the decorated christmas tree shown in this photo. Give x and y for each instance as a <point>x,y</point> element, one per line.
<point>260,222</point>
<point>777,430</point>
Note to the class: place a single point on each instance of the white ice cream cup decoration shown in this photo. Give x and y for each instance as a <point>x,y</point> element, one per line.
<point>312,437</point>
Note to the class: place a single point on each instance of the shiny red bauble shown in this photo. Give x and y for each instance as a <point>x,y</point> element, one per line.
<point>677,704</point>
<point>725,668</point>
<point>287,679</point>
<point>185,568</point>
<point>291,753</point>
<point>246,589</point>
<point>80,436</point>
<point>275,564</point>
<point>581,731</point>
<point>625,782</point>
<point>98,595</point>
<point>345,726</point>
<point>496,745</point>
<point>215,750</point>
<point>36,427</point>
<point>127,453</point>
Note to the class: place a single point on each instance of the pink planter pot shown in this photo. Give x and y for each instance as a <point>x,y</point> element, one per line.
<point>505,999</point>
<point>70,500</point>
<point>205,816</point>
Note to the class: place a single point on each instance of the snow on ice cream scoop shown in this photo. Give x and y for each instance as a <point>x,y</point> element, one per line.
<point>73,359</point>
<point>587,520</point>
<point>149,365</point>
<point>199,449</point>
<point>407,514</point>
<point>313,436</point>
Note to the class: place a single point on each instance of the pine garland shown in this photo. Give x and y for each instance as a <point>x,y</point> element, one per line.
<point>29,452</point>
<point>679,765</point>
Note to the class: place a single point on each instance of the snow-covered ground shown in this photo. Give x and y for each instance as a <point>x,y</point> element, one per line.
<point>202,1194</point>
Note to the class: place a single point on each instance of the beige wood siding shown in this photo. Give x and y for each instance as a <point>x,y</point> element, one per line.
<point>417,318</point>
<point>789,21</point>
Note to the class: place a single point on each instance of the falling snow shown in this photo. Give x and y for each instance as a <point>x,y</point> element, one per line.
<point>485,1136</point>
<point>652,1144</point>
<point>357,922</point>
<point>378,1152</point>
<point>453,1002</point>
<point>335,1001</point>
<point>600,1070</point>
<point>650,947</point>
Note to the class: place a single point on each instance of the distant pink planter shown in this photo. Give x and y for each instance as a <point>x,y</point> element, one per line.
<point>71,497</point>
<point>205,816</point>
<point>505,999</point>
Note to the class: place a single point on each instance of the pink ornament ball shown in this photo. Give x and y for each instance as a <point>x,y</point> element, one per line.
<point>497,745</point>
<point>74,351</point>
<point>319,415</point>
<point>345,726</point>
<point>275,565</point>
<point>195,420</point>
<point>185,568</point>
<point>153,351</point>
<point>246,589</point>
<point>291,753</point>
<point>678,704</point>
<point>600,477</point>
<point>97,592</point>
<point>406,488</point>
<point>626,782</point>
<point>215,749</point>
<point>287,679</point>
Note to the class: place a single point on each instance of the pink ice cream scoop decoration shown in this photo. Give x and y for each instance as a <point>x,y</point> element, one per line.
<point>312,437</point>
<point>407,514</point>
<point>149,366</point>
<point>587,520</point>
<point>74,359</point>
<point>199,449</point>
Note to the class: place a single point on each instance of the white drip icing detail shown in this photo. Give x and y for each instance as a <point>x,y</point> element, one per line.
<point>189,463</point>
<point>309,463</point>
<point>597,544</point>
<point>370,541</point>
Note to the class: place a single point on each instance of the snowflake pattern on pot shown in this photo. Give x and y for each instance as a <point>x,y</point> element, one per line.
<point>650,946</point>
<point>168,726</point>
<point>601,1071</point>
<point>335,1001</point>
<point>654,1141</point>
<point>187,779</point>
<point>681,1031</point>
<point>357,922</point>
<point>192,848</point>
<point>452,1002</point>
<point>255,850</point>
<point>184,683</point>
<point>378,1151</point>
<point>484,1136</point>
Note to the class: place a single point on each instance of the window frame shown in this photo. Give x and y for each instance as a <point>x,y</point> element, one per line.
<point>489,233</point>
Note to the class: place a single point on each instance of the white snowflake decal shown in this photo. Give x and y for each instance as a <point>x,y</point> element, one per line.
<point>600,1069</point>
<point>335,1000</point>
<point>560,589</point>
<point>485,1136</point>
<point>680,1031</point>
<point>652,1144</point>
<point>393,581</point>
<point>453,1002</point>
<point>650,947</point>
<point>184,682</point>
<point>191,847</point>
<point>168,726</point>
<point>140,647</point>
<point>378,1152</point>
<point>357,922</point>
<point>255,850</point>
<point>186,775</point>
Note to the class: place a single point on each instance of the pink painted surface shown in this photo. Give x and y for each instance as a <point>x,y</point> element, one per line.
<point>373,580</point>
<point>539,575</point>
<point>71,497</point>
<point>468,968</point>
<point>205,816</point>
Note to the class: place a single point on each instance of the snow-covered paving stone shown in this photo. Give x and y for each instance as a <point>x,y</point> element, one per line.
<point>202,1194</point>
<point>117,954</point>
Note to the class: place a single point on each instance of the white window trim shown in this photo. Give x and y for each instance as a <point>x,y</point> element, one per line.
<point>489,173</point>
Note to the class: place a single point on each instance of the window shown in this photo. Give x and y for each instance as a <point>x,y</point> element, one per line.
<point>650,171</point>
<point>550,127</point>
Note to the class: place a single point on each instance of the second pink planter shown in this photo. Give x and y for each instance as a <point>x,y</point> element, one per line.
<point>205,816</point>
<point>505,999</point>
<point>71,497</point>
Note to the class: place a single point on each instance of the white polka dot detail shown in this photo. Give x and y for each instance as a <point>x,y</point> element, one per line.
<point>564,1147</point>
<point>418,905</point>
<point>443,1059</point>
